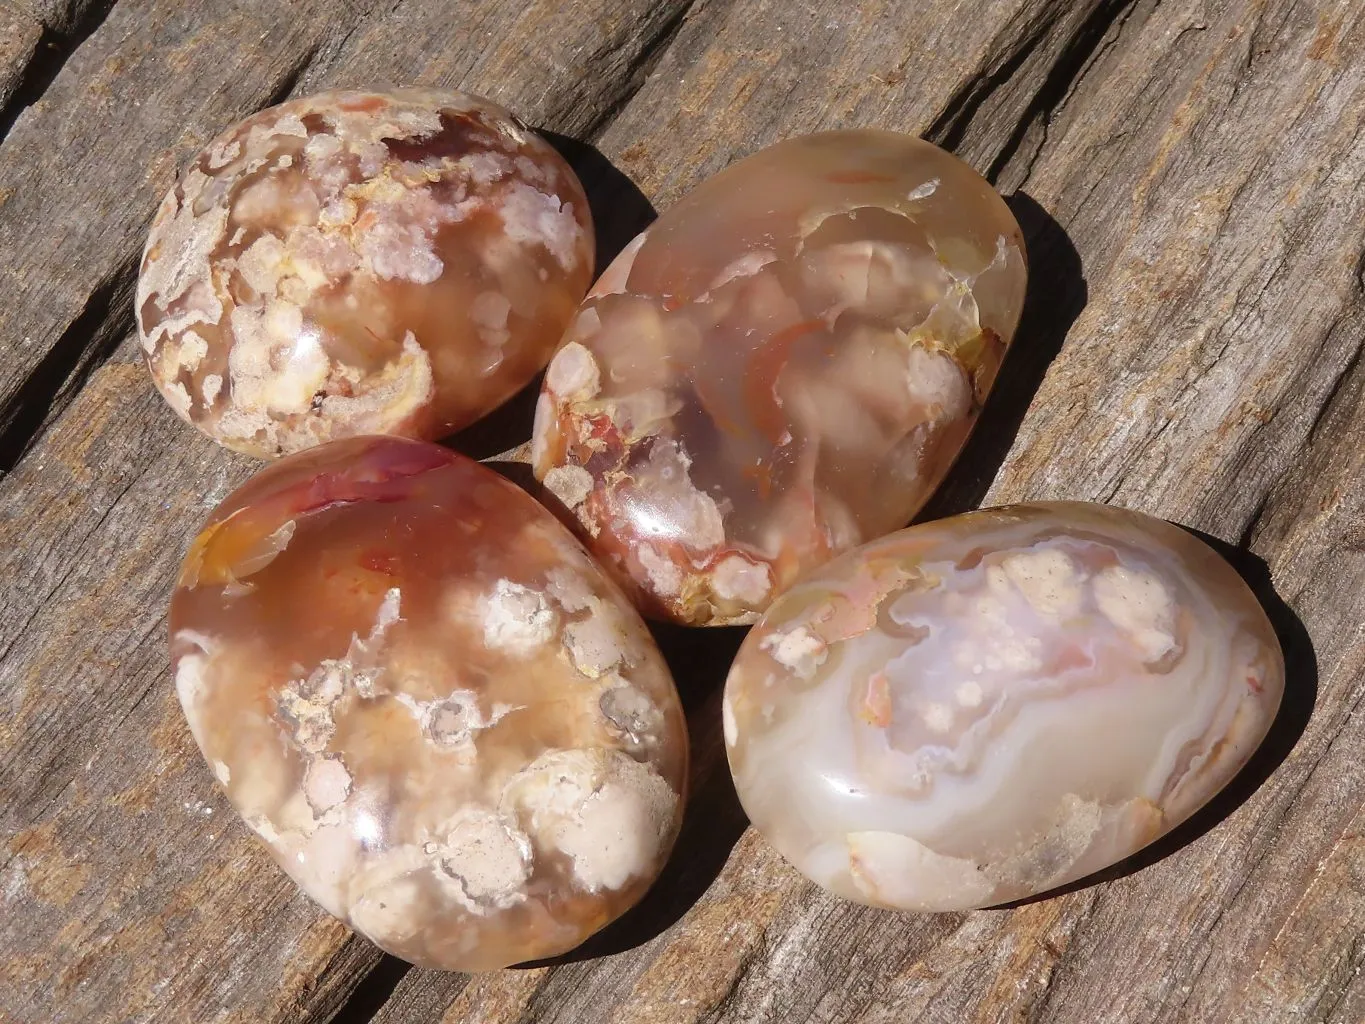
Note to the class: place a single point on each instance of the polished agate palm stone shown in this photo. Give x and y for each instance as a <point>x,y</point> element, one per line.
<point>780,368</point>
<point>444,721</point>
<point>984,708</point>
<point>354,263</point>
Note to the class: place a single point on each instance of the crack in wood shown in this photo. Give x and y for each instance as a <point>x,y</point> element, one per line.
<point>88,341</point>
<point>1321,361</point>
<point>638,68</point>
<point>1075,57</point>
<point>950,127</point>
<point>55,46</point>
<point>372,991</point>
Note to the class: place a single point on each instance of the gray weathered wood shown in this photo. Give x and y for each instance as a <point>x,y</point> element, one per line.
<point>65,17</point>
<point>19,35</point>
<point>118,903</point>
<point>1206,163</point>
<point>126,111</point>
<point>1189,177</point>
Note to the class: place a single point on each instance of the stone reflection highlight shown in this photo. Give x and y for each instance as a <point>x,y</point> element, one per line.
<point>781,367</point>
<point>444,721</point>
<point>983,708</point>
<point>354,262</point>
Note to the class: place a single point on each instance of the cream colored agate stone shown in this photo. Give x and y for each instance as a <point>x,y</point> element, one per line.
<point>983,708</point>
<point>441,717</point>
<point>780,368</point>
<point>356,262</point>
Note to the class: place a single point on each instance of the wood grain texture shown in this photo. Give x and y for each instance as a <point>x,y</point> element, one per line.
<point>1189,176</point>
<point>64,17</point>
<point>124,896</point>
<point>19,36</point>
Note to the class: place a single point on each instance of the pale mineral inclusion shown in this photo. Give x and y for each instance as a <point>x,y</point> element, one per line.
<point>355,262</point>
<point>443,719</point>
<point>983,708</point>
<point>780,368</point>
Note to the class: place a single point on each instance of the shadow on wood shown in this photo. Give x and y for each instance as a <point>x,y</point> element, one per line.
<point>1056,295</point>
<point>713,820</point>
<point>1300,695</point>
<point>620,211</point>
<point>373,991</point>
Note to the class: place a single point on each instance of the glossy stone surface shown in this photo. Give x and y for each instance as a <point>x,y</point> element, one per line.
<point>780,368</point>
<point>415,686</point>
<point>352,263</point>
<point>986,707</point>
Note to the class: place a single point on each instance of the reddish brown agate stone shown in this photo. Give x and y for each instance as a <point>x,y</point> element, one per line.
<point>353,263</point>
<point>780,368</point>
<point>445,722</point>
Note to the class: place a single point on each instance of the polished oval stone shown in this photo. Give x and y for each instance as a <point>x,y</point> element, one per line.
<point>986,707</point>
<point>444,721</point>
<point>354,262</point>
<point>780,368</point>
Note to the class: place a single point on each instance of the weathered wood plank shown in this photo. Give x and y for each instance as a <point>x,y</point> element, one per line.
<point>19,35</point>
<point>127,109</point>
<point>1204,159</point>
<point>65,17</point>
<point>1217,169</point>
<point>755,72</point>
<point>36,38</point>
<point>166,915</point>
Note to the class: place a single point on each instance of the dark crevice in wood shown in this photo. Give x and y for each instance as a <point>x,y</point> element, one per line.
<point>1337,985</point>
<point>950,127</point>
<point>535,1006</point>
<point>1248,533</point>
<point>637,71</point>
<point>90,339</point>
<point>1329,400</point>
<point>1075,56</point>
<point>54,49</point>
<point>291,78</point>
<point>374,990</point>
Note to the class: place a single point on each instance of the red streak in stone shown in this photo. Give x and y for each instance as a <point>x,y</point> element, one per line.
<point>713,403</point>
<point>1070,657</point>
<point>376,560</point>
<point>760,379</point>
<point>385,471</point>
<point>364,483</point>
<point>364,104</point>
<point>762,475</point>
<point>875,708</point>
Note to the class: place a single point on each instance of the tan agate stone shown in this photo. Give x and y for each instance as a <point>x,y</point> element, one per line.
<point>354,263</point>
<point>444,721</point>
<point>780,368</point>
<point>983,708</point>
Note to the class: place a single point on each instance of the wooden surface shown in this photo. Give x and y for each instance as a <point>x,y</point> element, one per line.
<point>1189,177</point>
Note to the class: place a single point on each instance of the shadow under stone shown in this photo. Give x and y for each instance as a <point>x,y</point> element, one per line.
<point>1055,295</point>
